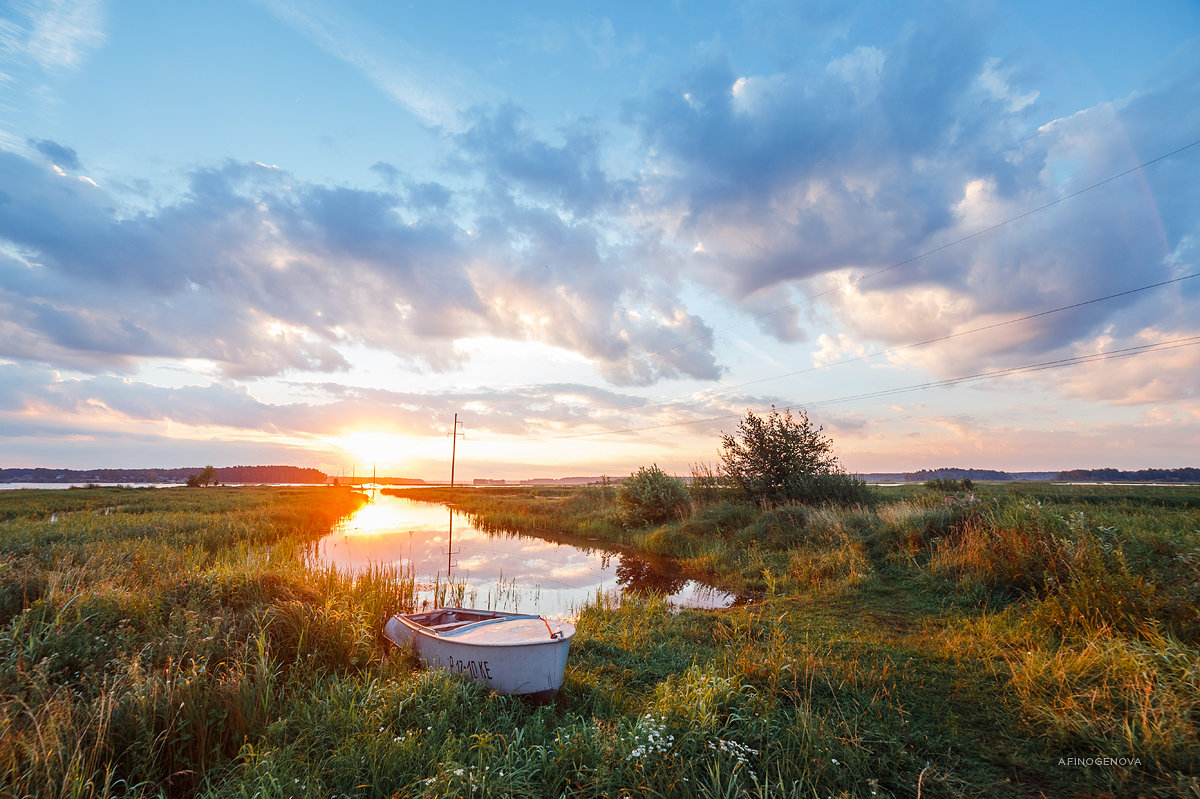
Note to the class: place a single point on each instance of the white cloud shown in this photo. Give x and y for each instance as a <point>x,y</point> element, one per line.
<point>431,87</point>
<point>262,275</point>
<point>756,93</point>
<point>1152,378</point>
<point>861,69</point>
<point>55,34</point>
<point>834,348</point>
<point>996,82</point>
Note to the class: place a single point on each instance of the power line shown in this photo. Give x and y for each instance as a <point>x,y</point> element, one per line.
<point>1126,352</point>
<point>937,249</point>
<point>722,389</point>
<point>906,261</point>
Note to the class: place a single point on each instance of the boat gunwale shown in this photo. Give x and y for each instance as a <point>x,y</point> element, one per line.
<point>450,636</point>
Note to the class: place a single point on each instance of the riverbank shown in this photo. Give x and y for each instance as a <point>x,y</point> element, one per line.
<point>1006,644</point>
<point>1050,618</point>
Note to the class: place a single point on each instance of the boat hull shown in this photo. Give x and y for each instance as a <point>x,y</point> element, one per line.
<point>514,654</point>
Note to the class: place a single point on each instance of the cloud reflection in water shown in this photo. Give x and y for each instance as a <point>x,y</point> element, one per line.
<point>514,572</point>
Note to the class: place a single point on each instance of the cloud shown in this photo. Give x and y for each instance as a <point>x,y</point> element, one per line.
<point>83,405</point>
<point>787,176</point>
<point>564,257</point>
<point>502,146</point>
<point>861,161</point>
<point>430,87</point>
<point>58,34</point>
<point>262,274</point>
<point>995,79</point>
<point>1037,439</point>
<point>64,157</point>
<point>835,348</point>
<point>765,185</point>
<point>1153,378</point>
<point>861,70</point>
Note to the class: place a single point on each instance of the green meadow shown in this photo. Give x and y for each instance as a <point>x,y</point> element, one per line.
<point>1014,640</point>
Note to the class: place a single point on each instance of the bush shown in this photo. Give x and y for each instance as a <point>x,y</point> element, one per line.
<point>650,496</point>
<point>207,477</point>
<point>946,484</point>
<point>835,488</point>
<point>779,459</point>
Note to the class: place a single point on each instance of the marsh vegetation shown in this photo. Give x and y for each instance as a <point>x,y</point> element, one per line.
<point>1017,640</point>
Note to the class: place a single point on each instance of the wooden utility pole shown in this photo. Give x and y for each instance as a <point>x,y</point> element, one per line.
<point>453,447</point>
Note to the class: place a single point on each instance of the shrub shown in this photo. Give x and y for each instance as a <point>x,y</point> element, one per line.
<point>207,477</point>
<point>650,496</point>
<point>780,459</point>
<point>949,485</point>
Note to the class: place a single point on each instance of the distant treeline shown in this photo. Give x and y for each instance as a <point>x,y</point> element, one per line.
<point>1184,475</point>
<point>947,473</point>
<point>1187,474</point>
<point>225,474</point>
<point>383,481</point>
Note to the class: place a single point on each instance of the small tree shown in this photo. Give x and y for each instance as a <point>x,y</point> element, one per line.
<point>779,458</point>
<point>650,496</point>
<point>207,477</point>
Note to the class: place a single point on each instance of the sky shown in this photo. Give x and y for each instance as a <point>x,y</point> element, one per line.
<point>953,234</point>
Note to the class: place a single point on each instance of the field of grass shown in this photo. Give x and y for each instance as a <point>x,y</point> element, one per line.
<point>1028,640</point>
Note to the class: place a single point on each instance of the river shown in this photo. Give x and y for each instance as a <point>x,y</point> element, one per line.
<point>552,576</point>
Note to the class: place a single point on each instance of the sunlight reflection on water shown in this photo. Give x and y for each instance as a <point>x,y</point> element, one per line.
<point>506,571</point>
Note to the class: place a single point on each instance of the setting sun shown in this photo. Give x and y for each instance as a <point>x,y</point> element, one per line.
<point>363,449</point>
<point>868,331</point>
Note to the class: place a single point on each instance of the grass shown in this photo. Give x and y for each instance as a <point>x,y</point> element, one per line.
<point>181,643</point>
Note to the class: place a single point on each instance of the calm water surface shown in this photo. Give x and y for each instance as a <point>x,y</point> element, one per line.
<point>505,571</point>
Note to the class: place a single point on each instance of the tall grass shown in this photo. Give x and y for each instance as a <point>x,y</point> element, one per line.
<point>183,643</point>
<point>144,632</point>
<point>1082,605</point>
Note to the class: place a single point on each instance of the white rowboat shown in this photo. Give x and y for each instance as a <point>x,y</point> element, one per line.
<point>512,653</point>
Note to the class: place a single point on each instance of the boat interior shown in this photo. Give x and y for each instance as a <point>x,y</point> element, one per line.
<point>446,619</point>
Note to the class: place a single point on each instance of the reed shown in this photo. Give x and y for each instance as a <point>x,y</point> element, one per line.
<point>1081,605</point>
<point>184,643</point>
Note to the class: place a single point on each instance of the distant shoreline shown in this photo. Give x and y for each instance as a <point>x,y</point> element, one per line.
<point>296,475</point>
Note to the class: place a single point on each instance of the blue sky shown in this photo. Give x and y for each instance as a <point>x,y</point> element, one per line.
<point>311,232</point>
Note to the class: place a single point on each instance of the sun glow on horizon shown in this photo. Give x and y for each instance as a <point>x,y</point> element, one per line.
<point>385,452</point>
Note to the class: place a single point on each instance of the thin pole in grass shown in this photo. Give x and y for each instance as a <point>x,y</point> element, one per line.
<point>454,434</point>
<point>450,546</point>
